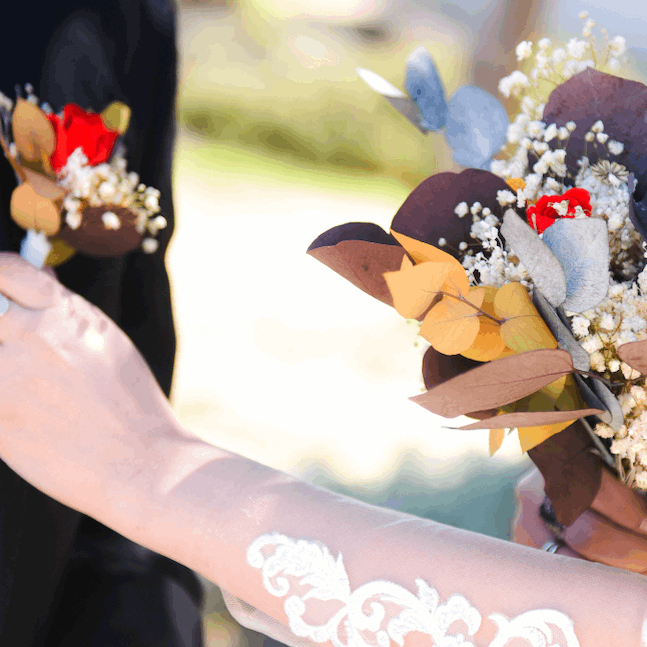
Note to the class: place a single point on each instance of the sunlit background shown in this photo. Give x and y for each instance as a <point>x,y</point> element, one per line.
<point>280,359</point>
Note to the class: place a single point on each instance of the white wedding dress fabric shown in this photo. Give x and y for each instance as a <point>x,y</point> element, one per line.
<point>310,567</point>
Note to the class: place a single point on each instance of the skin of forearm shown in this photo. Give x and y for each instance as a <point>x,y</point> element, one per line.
<point>203,506</point>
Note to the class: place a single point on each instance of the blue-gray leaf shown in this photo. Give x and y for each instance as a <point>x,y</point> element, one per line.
<point>403,104</point>
<point>476,126</point>
<point>543,266</point>
<point>582,247</point>
<point>425,87</point>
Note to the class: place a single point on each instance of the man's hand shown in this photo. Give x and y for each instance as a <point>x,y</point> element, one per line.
<point>80,409</point>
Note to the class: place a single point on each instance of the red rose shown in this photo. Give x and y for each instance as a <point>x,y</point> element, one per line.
<point>544,214</point>
<point>79,128</point>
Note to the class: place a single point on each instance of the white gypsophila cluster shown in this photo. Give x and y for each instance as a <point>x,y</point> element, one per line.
<point>607,185</point>
<point>553,64</point>
<point>109,184</point>
<point>491,264</point>
<point>620,319</point>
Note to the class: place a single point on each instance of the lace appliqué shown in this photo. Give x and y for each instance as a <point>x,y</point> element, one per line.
<point>312,562</point>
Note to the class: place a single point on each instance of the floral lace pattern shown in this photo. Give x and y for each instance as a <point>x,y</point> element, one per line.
<point>312,563</point>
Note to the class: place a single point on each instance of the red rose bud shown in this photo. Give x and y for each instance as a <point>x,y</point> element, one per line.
<point>86,130</point>
<point>551,207</point>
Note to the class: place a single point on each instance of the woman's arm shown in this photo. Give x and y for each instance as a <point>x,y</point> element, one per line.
<point>85,422</point>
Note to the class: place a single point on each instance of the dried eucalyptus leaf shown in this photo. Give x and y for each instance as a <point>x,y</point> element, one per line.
<point>598,396</point>
<point>637,210</point>
<point>540,262</point>
<point>476,126</point>
<point>409,110</point>
<point>531,419</point>
<point>403,104</point>
<point>425,87</point>
<point>611,404</point>
<point>582,247</point>
<point>562,333</point>
<point>32,131</point>
<point>496,383</point>
<point>635,354</point>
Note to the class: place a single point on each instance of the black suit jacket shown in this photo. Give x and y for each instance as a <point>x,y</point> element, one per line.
<point>66,580</point>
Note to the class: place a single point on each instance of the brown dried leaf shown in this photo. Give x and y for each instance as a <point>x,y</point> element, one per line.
<point>363,263</point>
<point>31,211</point>
<point>45,186</point>
<point>634,354</point>
<point>32,131</point>
<point>531,419</point>
<point>496,383</point>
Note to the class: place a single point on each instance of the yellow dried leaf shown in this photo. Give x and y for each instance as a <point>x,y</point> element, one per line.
<point>116,117</point>
<point>452,325</point>
<point>530,437</point>
<point>523,329</point>
<point>516,183</point>
<point>32,131</point>
<point>60,253</point>
<point>31,211</point>
<point>496,440</point>
<point>554,389</point>
<point>570,398</point>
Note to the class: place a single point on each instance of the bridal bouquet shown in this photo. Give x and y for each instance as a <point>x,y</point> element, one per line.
<point>529,279</point>
<point>74,190</point>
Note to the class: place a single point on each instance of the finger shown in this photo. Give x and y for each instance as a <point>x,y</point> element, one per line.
<point>24,284</point>
<point>598,539</point>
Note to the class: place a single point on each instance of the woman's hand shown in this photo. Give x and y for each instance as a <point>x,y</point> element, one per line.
<point>528,528</point>
<point>81,411</point>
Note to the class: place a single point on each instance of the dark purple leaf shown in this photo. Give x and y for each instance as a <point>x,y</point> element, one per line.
<point>637,210</point>
<point>353,231</point>
<point>428,213</point>
<point>620,104</point>
<point>572,473</point>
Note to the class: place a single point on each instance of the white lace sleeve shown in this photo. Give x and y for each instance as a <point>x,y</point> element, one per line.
<point>361,619</point>
<point>310,567</point>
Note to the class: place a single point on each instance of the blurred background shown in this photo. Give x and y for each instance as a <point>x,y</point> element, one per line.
<point>280,359</point>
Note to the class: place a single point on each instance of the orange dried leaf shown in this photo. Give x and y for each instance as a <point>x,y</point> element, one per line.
<point>523,329</point>
<point>32,131</point>
<point>31,211</point>
<point>497,437</point>
<point>415,287</point>
<point>452,325</point>
<point>457,281</point>
<point>488,344</point>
